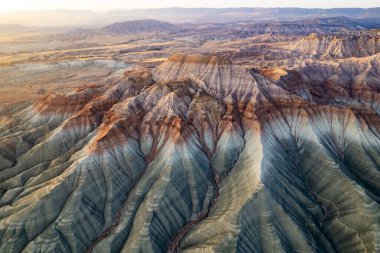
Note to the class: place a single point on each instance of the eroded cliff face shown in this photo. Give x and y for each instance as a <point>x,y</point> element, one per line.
<point>339,46</point>
<point>197,155</point>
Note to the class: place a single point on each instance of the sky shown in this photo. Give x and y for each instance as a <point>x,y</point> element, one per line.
<point>101,5</point>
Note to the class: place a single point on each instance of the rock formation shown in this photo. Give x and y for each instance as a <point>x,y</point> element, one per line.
<point>197,155</point>
<point>339,46</point>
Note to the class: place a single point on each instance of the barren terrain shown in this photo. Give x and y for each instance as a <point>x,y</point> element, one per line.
<point>214,137</point>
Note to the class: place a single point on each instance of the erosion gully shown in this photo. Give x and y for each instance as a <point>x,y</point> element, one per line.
<point>176,240</point>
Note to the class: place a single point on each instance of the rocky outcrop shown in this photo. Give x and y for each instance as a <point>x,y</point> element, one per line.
<point>351,82</point>
<point>214,75</point>
<point>338,46</point>
<point>198,155</point>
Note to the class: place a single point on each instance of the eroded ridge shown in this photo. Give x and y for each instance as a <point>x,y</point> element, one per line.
<point>197,155</point>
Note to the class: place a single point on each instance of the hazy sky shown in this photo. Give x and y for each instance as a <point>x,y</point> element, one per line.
<point>104,5</point>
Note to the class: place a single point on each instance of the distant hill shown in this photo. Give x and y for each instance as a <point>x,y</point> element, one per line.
<point>302,27</point>
<point>139,26</point>
<point>246,29</point>
<point>181,15</point>
<point>369,23</point>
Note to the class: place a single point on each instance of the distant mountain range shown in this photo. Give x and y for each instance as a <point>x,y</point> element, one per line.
<point>252,28</point>
<point>183,15</point>
<point>139,26</point>
<point>237,29</point>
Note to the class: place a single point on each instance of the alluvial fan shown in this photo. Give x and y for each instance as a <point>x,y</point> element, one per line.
<point>197,155</point>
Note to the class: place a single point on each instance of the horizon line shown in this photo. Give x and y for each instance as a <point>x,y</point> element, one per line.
<point>175,7</point>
